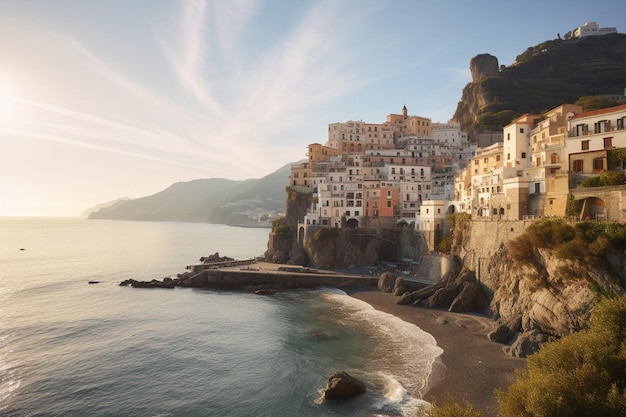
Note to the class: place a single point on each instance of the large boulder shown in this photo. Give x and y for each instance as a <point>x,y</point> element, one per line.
<point>470,298</point>
<point>342,385</point>
<point>525,344</point>
<point>501,334</point>
<point>483,66</point>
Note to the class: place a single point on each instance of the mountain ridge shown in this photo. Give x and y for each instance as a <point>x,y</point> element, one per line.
<point>212,200</point>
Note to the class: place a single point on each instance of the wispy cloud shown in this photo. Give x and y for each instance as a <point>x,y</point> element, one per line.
<point>188,55</point>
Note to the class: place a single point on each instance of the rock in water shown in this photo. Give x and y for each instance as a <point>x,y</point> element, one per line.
<point>342,385</point>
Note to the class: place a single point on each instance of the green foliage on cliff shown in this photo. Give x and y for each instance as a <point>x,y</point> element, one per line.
<point>325,234</point>
<point>616,159</point>
<point>586,241</point>
<point>589,103</point>
<point>543,77</point>
<point>279,228</point>
<point>605,179</point>
<point>582,375</point>
<point>456,223</point>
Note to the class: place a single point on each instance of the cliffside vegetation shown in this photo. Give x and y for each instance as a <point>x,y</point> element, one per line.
<point>605,179</point>
<point>587,242</point>
<point>543,77</point>
<point>582,375</point>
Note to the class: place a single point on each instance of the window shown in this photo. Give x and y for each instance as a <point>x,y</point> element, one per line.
<point>523,154</point>
<point>584,145</point>
<point>497,157</point>
<point>598,164</point>
<point>508,156</point>
<point>608,143</point>
<point>389,203</point>
<point>521,130</point>
<point>508,136</point>
<point>577,166</point>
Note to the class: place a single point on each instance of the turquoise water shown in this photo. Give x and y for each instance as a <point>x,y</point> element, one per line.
<point>68,348</point>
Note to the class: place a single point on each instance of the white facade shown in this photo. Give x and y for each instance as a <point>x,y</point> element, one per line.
<point>591,29</point>
<point>448,133</point>
<point>517,143</point>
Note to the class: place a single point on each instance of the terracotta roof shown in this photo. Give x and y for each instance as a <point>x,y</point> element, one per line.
<point>601,111</point>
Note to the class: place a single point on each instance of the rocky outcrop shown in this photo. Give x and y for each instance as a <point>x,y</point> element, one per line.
<point>343,385</point>
<point>543,77</point>
<point>215,258</point>
<point>482,66</point>
<point>525,344</point>
<point>336,248</point>
<point>342,248</point>
<point>456,292</point>
<point>532,301</point>
<point>386,282</point>
<point>282,246</point>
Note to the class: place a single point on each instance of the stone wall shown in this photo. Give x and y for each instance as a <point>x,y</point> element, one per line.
<point>482,238</point>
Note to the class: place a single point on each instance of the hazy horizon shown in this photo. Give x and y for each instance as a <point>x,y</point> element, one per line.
<point>103,100</point>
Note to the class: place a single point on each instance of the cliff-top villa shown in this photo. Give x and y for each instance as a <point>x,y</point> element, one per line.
<point>590,29</point>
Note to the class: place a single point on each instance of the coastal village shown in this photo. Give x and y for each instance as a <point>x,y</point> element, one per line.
<point>411,171</point>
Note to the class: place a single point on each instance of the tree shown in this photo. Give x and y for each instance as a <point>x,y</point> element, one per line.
<point>583,374</point>
<point>590,103</point>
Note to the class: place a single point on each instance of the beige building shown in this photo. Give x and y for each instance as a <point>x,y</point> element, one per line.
<point>591,135</point>
<point>541,160</point>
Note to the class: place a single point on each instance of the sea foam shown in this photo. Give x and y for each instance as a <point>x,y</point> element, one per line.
<point>402,360</point>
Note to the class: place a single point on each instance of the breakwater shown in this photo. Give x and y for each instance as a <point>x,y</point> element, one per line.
<point>257,276</point>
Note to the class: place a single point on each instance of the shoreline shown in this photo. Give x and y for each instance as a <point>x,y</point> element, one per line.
<point>471,366</point>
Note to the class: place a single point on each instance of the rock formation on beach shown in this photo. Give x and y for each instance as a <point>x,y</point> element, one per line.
<point>342,385</point>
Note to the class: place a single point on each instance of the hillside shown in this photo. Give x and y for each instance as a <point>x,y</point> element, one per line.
<point>543,77</point>
<point>214,200</point>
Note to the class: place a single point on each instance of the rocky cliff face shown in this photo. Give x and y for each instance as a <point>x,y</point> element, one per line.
<point>341,248</point>
<point>328,248</point>
<point>482,66</point>
<point>543,77</point>
<point>534,300</point>
<point>476,97</point>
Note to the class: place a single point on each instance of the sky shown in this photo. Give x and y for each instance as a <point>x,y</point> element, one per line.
<point>101,100</point>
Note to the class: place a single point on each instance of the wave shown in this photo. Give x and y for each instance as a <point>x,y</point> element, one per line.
<point>401,364</point>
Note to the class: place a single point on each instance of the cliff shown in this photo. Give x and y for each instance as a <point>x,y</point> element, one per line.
<point>543,77</point>
<point>290,242</point>
<point>542,277</point>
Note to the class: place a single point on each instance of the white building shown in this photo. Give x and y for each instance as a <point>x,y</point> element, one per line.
<point>591,29</point>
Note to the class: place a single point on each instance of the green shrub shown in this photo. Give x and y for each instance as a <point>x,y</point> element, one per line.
<point>445,246</point>
<point>583,374</point>
<point>605,179</point>
<point>586,241</point>
<point>325,234</point>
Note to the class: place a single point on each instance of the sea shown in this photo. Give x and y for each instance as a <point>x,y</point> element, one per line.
<point>69,347</point>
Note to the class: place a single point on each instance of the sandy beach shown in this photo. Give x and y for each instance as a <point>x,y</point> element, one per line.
<point>471,366</point>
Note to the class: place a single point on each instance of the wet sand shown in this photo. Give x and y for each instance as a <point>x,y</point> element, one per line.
<point>471,366</point>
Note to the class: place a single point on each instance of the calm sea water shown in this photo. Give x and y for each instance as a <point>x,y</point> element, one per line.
<point>68,348</point>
